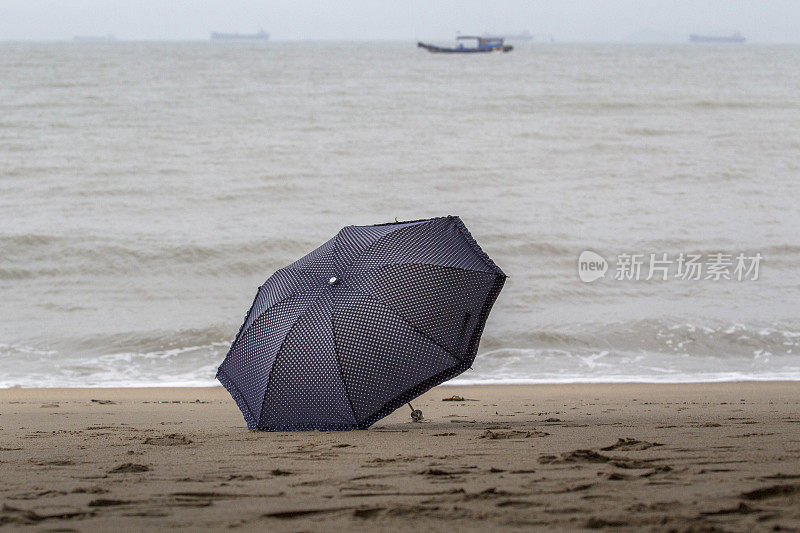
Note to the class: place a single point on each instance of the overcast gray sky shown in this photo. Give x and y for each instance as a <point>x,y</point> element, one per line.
<point>563,20</point>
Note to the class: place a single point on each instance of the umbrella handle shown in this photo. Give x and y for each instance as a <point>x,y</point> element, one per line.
<point>416,414</point>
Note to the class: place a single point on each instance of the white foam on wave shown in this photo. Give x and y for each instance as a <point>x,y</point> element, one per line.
<point>631,378</point>
<point>630,352</point>
<point>614,366</point>
<point>188,366</point>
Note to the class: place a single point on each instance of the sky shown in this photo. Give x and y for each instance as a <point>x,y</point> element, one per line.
<point>769,21</point>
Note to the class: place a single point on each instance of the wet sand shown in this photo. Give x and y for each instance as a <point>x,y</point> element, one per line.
<point>562,457</point>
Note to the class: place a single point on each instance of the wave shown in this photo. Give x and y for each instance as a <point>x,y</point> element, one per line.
<point>661,336</point>
<point>177,360</point>
<point>610,366</point>
<point>643,351</point>
<point>575,105</point>
<point>35,255</point>
<point>31,256</point>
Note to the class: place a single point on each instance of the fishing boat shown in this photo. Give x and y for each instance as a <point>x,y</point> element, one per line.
<point>474,45</point>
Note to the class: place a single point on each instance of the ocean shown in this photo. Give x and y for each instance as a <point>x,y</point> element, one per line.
<point>148,189</point>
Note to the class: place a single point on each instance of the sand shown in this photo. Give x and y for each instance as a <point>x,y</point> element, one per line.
<point>558,457</point>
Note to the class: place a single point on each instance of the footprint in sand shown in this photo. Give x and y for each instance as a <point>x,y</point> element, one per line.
<point>437,472</point>
<point>89,490</point>
<point>591,456</point>
<point>168,440</point>
<point>107,502</point>
<point>514,434</point>
<point>602,523</point>
<point>628,445</point>
<point>576,456</point>
<point>241,477</point>
<point>14,515</point>
<point>771,492</point>
<point>52,462</point>
<point>781,476</point>
<point>302,513</point>
<point>129,468</point>
<point>742,508</point>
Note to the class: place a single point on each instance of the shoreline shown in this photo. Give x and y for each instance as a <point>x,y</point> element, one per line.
<point>513,383</point>
<point>557,456</point>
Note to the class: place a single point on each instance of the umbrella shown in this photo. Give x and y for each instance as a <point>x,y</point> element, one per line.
<point>362,325</point>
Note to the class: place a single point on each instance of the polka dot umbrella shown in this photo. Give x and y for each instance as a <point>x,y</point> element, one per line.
<point>361,326</point>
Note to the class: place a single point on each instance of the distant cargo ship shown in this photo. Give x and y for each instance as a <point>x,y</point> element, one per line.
<point>733,38</point>
<point>261,35</point>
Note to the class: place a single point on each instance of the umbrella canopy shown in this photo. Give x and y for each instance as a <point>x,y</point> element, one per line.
<point>362,325</point>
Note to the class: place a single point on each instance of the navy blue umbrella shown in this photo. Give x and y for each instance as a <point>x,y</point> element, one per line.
<point>362,325</point>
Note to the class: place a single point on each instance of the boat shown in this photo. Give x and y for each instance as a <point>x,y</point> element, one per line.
<point>480,44</point>
<point>261,35</point>
<point>732,38</point>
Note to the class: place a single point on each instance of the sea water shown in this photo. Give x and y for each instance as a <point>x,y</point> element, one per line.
<point>148,189</point>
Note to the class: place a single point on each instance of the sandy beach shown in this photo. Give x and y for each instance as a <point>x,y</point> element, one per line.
<point>691,457</point>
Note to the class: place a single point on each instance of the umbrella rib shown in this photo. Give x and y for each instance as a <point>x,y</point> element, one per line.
<point>346,267</point>
<point>280,349</point>
<point>278,302</point>
<point>295,292</point>
<point>475,246</point>
<point>236,340</point>
<point>372,269</point>
<point>238,397</point>
<point>336,248</point>
<point>341,372</point>
<point>246,317</point>
<point>482,256</point>
<point>407,322</point>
